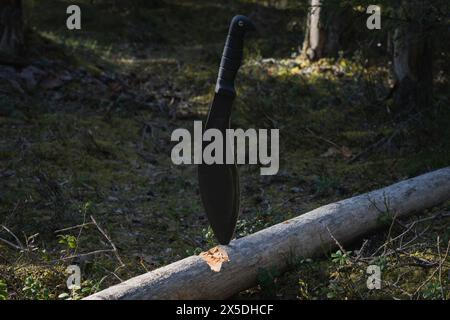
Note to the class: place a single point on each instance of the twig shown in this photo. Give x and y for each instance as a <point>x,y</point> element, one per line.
<point>14,236</point>
<point>337,242</point>
<point>391,227</point>
<point>434,272</point>
<point>440,267</point>
<point>323,139</point>
<point>424,231</point>
<point>113,273</point>
<point>11,244</point>
<point>87,254</point>
<point>361,250</point>
<point>74,227</point>
<point>375,145</point>
<point>109,240</point>
<point>80,231</point>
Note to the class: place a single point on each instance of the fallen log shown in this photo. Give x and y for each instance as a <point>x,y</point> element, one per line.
<point>302,236</point>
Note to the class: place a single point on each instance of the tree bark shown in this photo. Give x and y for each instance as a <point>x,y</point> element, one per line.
<point>11,28</point>
<point>413,60</point>
<point>303,236</point>
<point>324,26</point>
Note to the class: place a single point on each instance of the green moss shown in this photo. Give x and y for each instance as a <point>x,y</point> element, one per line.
<point>33,281</point>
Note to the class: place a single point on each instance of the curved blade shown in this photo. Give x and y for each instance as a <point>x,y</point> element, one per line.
<point>219,183</point>
<point>220,196</point>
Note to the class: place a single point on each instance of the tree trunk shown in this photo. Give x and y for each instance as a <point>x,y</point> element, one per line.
<point>11,28</point>
<point>324,26</point>
<point>303,236</point>
<point>413,61</point>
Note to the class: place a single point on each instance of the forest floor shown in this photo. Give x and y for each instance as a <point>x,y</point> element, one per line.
<point>85,170</point>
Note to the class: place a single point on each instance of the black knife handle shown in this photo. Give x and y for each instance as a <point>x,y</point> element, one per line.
<point>232,54</point>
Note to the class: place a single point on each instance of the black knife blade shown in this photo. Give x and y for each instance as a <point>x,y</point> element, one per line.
<point>219,183</point>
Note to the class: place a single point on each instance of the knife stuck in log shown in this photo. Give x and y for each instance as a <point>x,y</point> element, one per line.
<point>219,183</point>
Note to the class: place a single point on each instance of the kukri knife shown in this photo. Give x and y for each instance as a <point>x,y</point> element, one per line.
<point>219,183</point>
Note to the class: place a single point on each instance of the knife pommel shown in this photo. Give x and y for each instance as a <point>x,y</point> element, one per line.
<point>239,25</point>
<point>232,54</point>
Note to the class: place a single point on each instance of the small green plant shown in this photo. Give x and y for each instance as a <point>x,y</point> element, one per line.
<point>3,290</point>
<point>68,240</point>
<point>208,234</point>
<point>381,261</point>
<point>75,294</point>
<point>432,291</point>
<point>245,227</point>
<point>340,258</point>
<point>193,251</point>
<point>386,216</point>
<point>87,288</point>
<point>303,290</point>
<point>34,289</point>
<point>87,206</point>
